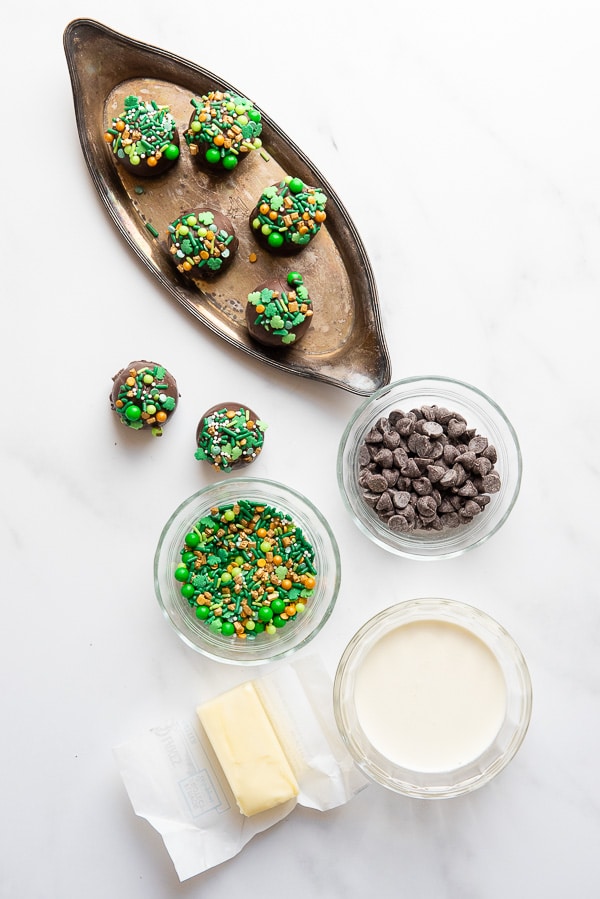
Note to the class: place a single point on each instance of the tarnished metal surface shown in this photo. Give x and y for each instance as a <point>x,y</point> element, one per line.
<point>345,345</point>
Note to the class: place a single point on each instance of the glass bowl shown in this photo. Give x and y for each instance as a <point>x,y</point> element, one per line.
<point>481,414</point>
<point>259,647</point>
<point>460,704</point>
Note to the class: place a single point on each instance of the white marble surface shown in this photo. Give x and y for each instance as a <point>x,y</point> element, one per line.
<point>482,222</point>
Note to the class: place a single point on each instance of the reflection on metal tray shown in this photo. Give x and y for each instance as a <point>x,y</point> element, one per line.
<point>345,345</point>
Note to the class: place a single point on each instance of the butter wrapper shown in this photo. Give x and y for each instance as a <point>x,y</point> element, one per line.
<point>175,782</point>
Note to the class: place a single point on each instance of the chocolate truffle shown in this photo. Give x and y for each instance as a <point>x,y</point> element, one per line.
<point>229,436</point>
<point>278,312</point>
<point>144,396</point>
<point>202,242</point>
<point>288,216</point>
<point>223,130</point>
<point>144,138</point>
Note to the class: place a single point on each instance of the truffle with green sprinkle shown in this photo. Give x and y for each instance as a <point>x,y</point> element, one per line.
<point>279,312</point>
<point>202,243</point>
<point>287,216</point>
<point>223,130</point>
<point>144,396</point>
<point>144,137</point>
<point>229,436</point>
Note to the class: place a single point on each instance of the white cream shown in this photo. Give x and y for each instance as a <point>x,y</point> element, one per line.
<point>430,696</point>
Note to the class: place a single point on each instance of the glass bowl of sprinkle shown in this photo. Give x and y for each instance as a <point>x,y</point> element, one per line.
<point>429,467</point>
<point>247,571</point>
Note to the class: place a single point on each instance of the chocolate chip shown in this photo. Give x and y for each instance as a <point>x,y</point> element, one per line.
<point>450,519</point>
<point>432,429</point>
<point>376,483</point>
<point>371,498</point>
<point>461,474</point>
<point>456,428</point>
<point>384,458</point>
<point>443,415</point>
<point>401,499</point>
<point>491,482</point>
<point>400,457</point>
<point>481,466</point>
<point>391,476</point>
<point>467,460</point>
<point>491,454</point>
<point>468,489</point>
<point>374,436</point>
<point>448,479</point>
<point>422,486</point>
<point>405,426</point>
<point>364,457</point>
<point>410,469</point>
<point>384,503</point>
<point>478,444</point>
<point>449,454</point>
<point>399,523</point>
<point>394,416</point>
<point>435,473</point>
<point>426,506</point>
<point>391,439</point>
<point>419,444</point>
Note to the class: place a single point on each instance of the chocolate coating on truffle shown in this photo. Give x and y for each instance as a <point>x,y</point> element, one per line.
<point>223,131</point>
<point>144,138</point>
<point>229,436</point>
<point>202,243</point>
<point>279,312</point>
<point>144,396</point>
<point>287,216</point>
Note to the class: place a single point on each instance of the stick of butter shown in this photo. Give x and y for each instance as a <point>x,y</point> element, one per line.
<point>248,749</point>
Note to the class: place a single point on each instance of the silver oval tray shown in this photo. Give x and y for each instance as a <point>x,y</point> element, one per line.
<point>345,345</point>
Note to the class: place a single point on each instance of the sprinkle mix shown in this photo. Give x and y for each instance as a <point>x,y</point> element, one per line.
<point>281,313</point>
<point>224,127</point>
<point>143,132</point>
<point>246,568</point>
<point>197,242</point>
<point>290,212</point>
<point>143,401</point>
<point>230,436</point>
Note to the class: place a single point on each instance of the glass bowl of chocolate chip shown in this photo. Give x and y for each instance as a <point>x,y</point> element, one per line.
<point>247,570</point>
<point>429,467</point>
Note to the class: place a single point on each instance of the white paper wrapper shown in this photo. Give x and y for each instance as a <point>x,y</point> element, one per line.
<point>175,781</point>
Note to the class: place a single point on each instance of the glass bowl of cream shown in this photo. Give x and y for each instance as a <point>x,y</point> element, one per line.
<point>432,698</point>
